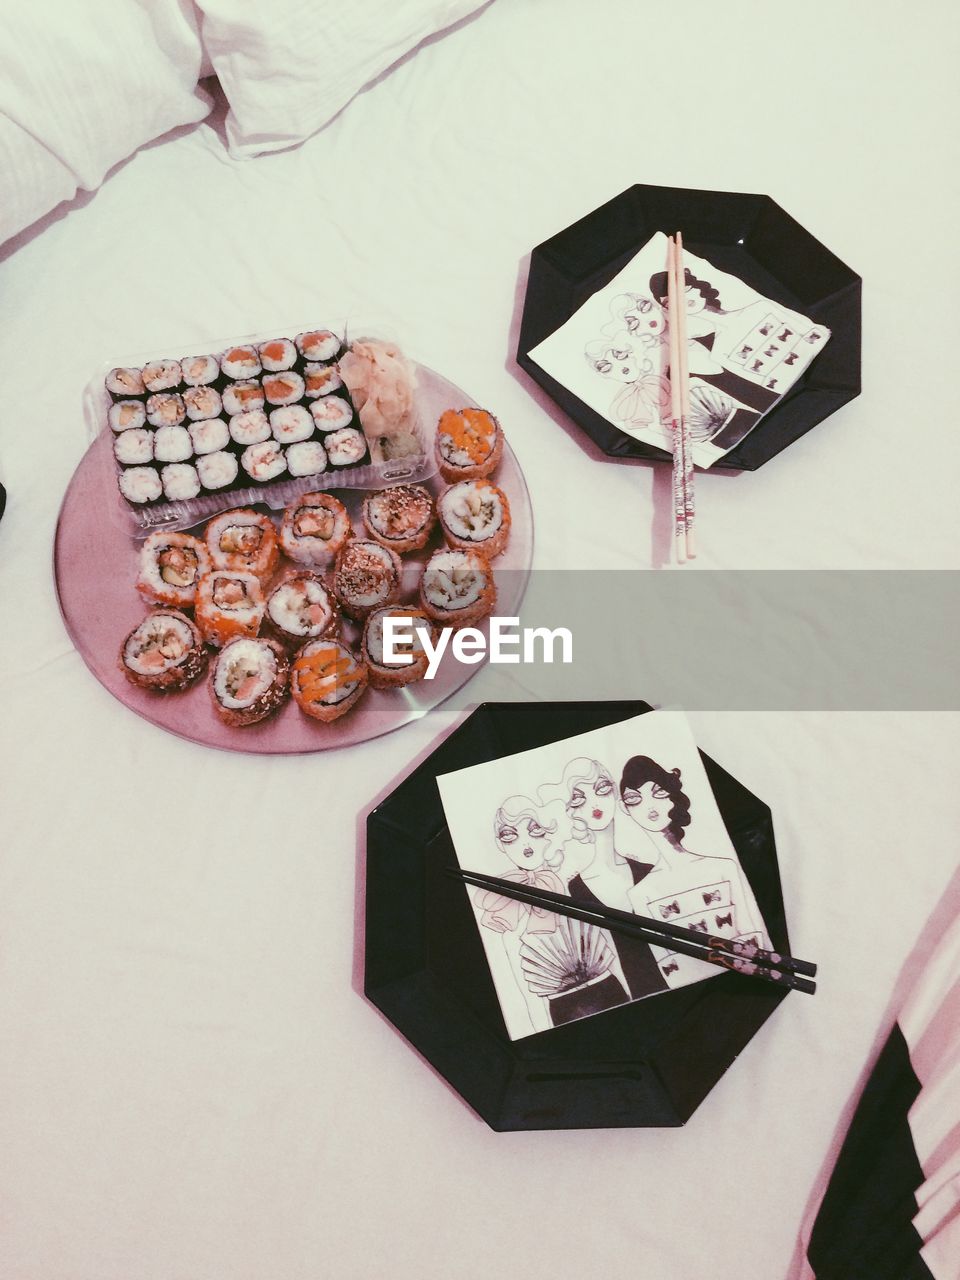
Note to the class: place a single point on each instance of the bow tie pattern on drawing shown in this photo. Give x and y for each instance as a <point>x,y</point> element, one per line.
<point>710,896</point>
<point>671,909</point>
<point>724,920</point>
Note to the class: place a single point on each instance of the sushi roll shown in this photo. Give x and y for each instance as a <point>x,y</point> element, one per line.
<point>308,458</point>
<point>166,409</point>
<point>346,448</point>
<point>327,679</point>
<point>283,388</point>
<point>392,675</point>
<point>124,384</point>
<point>239,363</point>
<point>140,485</point>
<point>171,566</point>
<point>457,588</point>
<point>217,470</point>
<point>180,481</point>
<point>320,380</point>
<point>252,427</point>
<point>249,681</point>
<point>228,604</point>
<point>475,515</point>
<point>126,415</point>
<point>208,436</point>
<point>366,576</point>
<point>202,402</point>
<point>264,462</point>
<point>245,541</point>
<point>300,609</point>
<point>162,375</point>
<point>401,518</point>
<point>469,444</point>
<point>332,413</point>
<point>240,397</point>
<point>315,528</point>
<point>291,424</point>
<point>172,444</point>
<point>200,371</point>
<point>318,346</point>
<point>133,448</point>
<point>164,652</point>
<point>277,355</point>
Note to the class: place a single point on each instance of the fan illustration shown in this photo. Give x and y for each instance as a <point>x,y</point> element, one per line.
<point>574,955</point>
<point>709,410</point>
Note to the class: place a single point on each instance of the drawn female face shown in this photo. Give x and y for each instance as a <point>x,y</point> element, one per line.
<point>649,806</point>
<point>527,844</point>
<point>695,301</point>
<point>619,363</point>
<point>646,317</point>
<point>593,803</point>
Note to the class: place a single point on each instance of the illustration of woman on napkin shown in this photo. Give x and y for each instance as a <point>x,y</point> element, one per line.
<point>589,796</point>
<point>707,894</point>
<point>644,397</point>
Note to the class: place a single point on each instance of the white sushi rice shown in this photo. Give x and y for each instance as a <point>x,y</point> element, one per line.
<point>126,415</point>
<point>180,481</point>
<point>200,371</point>
<point>172,444</point>
<point>242,660</point>
<point>264,461</point>
<point>240,362</point>
<point>346,447</point>
<point>308,458</point>
<point>140,484</point>
<point>331,413</point>
<point>471,510</point>
<point>157,578</point>
<point>134,446</point>
<point>159,633</point>
<point>291,424</point>
<point>252,427</point>
<point>209,436</point>
<point>162,375</point>
<point>217,470</point>
<point>290,607</point>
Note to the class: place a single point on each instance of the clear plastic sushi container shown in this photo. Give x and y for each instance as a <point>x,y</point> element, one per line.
<point>418,462</point>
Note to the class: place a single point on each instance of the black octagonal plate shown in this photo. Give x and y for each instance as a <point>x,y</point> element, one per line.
<point>749,236</point>
<point>649,1063</point>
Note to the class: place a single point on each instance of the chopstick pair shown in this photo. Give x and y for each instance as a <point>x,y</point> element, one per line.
<point>684,503</point>
<point>743,957</point>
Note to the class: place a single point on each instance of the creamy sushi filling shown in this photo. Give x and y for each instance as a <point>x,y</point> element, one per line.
<point>166,409</point>
<point>240,539</point>
<point>408,647</point>
<point>327,672</point>
<point>172,444</point>
<point>134,446</point>
<point>291,424</point>
<point>472,510</point>
<point>399,513</point>
<point>198,371</point>
<point>245,671</point>
<point>202,402</point>
<point>140,484</point>
<point>252,427</point>
<point>300,607</point>
<point>283,388</point>
<point>366,574</point>
<point>232,595</point>
<point>264,461</point>
<point>162,375</point>
<point>178,566</point>
<point>318,344</point>
<point>126,415</point>
<point>216,470</point>
<point>454,580</point>
<point>466,438</point>
<point>125,382</point>
<point>344,448</point>
<point>330,413</point>
<point>321,379</point>
<point>240,362</point>
<point>159,643</point>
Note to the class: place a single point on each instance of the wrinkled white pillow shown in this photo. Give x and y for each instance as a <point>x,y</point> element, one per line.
<point>288,68</point>
<point>83,84</point>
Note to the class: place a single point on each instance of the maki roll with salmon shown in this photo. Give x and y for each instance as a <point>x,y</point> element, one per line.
<point>243,540</point>
<point>469,444</point>
<point>163,653</point>
<point>300,609</point>
<point>321,380</point>
<point>228,604</point>
<point>125,384</point>
<point>327,679</point>
<point>392,675</point>
<point>171,566</point>
<point>277,355</point>
<point>366,576</point>
<point>318,346</point>
<point>251,427</point>
<point>475,516</point>
<point>249,681</point>
<point>240,363</point>
<point>283,388</point>
<point>457,588</point>
<point>315,528</point>
<point>241,397</point>
<point>401,518</point>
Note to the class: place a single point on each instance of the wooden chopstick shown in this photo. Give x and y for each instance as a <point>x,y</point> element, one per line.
<point>742,957</point>
<point>689,500</point>
<point>676,405</point>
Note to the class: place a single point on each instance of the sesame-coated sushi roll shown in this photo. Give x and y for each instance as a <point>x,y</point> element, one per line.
<point>475,516</point>
<point>164,652</point>
<point>469,444</point>
<point>391,675</point>
<point>401,518</point>
<point>171,566</point>
<point>307,458</point>
<point>217,470</point>
<point>208,436</point>
<point>366,576</point>
<point>249,681</point>
<point>201,403</point>
<point>162,375</point>
<point>124,384</point>
<point>166,409</point>
<point>277,355</point>
<point>241,397</point>
<point>291,424</point>
<point>200,371</point>
<point>301,608</point>
<point>172,444</point>
<point>327,679</point>
<point>457,588</point>
<point>315,528</point>
<point>252,427</point>
<point>140,485</point>
<point>263,462</point>
<point>243,540</point>
<point>318,346</point>
<point>126,415</point>
<point>346,448</point>
<point>180,481</point>
<point>283,388</point>
<point>321,380</point>
<point>240,363</point>
<point>134,447</point>
<point>332,413</point>
<point>228,604</point>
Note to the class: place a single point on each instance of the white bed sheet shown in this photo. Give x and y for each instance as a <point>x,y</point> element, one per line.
<point>190,1081</point>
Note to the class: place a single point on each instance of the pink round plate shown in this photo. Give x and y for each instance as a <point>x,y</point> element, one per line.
<point>95,568</point>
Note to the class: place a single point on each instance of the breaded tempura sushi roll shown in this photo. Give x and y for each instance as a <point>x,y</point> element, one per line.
<point>457,588</point>
<point>315,528</point>
<point>401,518</point>
<point>469,444</point>
<point>171,566</point>
<point>300,608</point>
<point>327,679</point>
<point>391,675</point>
<point>243,540</point>
<point>366,576</point>
<point>249,680</point>
<point>228,604</point>
<point>164,652</point>
<point>475,516</point>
